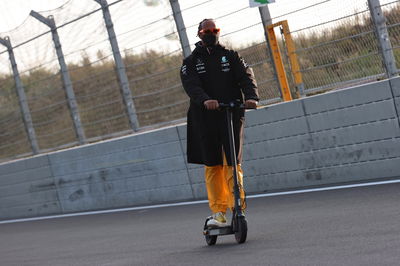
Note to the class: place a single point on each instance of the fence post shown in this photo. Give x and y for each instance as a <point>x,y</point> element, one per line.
<point>26,114</point>
<point>280,68</point>
<point>121,72</point>
<point>294,63</point>
<point>73,106</point>
<point>266,21</point>
<point>180,26</point>
<point>382,34</point>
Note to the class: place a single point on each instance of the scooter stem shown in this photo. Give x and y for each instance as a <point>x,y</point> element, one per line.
<point>238,205</point>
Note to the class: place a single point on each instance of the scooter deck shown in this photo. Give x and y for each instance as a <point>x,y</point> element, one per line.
<point>227,230</point>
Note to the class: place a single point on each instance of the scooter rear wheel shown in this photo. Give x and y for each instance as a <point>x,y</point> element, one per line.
<point>241,233</point>
<point>211,240</point>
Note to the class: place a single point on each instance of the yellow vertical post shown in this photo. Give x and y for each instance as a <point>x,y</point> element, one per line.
<point>280,69</point>
<point>298,79</point>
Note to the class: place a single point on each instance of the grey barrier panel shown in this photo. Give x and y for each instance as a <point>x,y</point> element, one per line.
<point>354,96</point>
<point>19,171</point>
<point>181,132</point>
<point>139,169</point>
<point>351,116</point>
<point>277,130</point>
<point>27,188</point>
<point>354,153</point>
<point>356,172</point>
<point>137,141</point>
<point>273,113</point>
<point>395,87</point>
<point>109,160</point>
<point>354,114</point>
<point>356,134</point>
<point>272,132</point>
<point>277,147</point>
<point>356,127</point>
<point>195,171</point>
<point>120,67</point>
<point>41,184</point>
<point>31,210</point>
<point>69,91</point>
<point>29,198</point>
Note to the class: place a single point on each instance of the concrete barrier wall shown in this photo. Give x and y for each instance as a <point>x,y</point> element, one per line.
<point>137,170</point>
<point>27,188</point>
<point>344,136</point>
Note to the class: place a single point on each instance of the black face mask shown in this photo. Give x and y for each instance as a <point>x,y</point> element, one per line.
<point>210,39</point>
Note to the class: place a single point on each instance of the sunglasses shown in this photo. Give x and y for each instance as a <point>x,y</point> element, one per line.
<point>210,31</point>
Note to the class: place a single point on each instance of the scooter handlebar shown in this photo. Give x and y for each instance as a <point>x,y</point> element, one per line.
<point>234,105</point>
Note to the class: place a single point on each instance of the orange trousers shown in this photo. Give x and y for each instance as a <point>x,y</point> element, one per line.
<point>219,184</point>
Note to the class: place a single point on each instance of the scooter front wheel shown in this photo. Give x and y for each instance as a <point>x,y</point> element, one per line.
<point>241,232</point>
<point>211,240</point>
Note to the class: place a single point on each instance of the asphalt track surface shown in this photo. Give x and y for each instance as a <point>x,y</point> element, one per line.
<point>356,226</point>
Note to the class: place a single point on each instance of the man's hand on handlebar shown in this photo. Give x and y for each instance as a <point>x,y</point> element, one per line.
<point>251,104</point>
<point>211,104</point>
<point>214,105</point>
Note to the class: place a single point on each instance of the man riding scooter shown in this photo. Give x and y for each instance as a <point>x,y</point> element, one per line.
<point>211,75</point>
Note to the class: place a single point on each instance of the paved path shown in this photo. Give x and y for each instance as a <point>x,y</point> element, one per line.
<point>358,226</point>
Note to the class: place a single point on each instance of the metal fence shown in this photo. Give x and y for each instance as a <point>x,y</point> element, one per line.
<point>92,70</point>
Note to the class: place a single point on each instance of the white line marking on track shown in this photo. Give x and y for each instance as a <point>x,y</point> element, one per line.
<point>198,202</point>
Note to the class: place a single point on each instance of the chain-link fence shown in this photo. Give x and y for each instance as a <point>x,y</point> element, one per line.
<point>113,75</point>
<point>341,51</point>
<point>392,14</point>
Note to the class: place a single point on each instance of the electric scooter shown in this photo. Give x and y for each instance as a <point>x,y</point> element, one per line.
<point>238,225</point>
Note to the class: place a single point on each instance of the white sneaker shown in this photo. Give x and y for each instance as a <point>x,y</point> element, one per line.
<point>217,220</point>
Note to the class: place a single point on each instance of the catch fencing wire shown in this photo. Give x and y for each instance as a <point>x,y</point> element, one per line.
<point>38,68</point>
<point>153,57</point>
<point>392,10</point>
<point>92,70</point>
<point>45,94</point>
<point>339,50</point>
<point>13,137</point>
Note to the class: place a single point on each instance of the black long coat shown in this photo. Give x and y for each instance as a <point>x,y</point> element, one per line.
<point>216,74</point>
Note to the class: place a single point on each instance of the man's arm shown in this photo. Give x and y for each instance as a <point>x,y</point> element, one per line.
<point>191,83</point>
<point>245,77</point>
